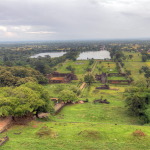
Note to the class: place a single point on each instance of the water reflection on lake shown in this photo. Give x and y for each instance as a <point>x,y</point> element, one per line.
<point>52,54</point>
<point>94,54</point>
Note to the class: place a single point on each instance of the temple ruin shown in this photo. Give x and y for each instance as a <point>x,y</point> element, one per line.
<point>57,77</point>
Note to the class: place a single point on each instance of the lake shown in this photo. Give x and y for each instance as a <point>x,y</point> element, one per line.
<point>104,54</point>
<point>52,54</point>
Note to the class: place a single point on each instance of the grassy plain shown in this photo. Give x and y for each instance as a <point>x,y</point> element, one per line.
<point>134,67</point>
<point>80,67</point>
<point>109,67</point>
<point>78,136</point>
<point>136,56</point>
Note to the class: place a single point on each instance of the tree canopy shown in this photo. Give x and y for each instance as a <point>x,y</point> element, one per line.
<point>15,76</point>
<point>138,102</point>
<point>25,99</point>
<point>89,78</point>
<point>68,96</point>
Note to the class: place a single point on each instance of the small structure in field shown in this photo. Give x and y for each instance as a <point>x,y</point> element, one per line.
<point>102,78</point>
<point>116,74</point>
<point>122,82</point>
<point>103,87</point>
<point>101,101</point>
<point>57,77</point>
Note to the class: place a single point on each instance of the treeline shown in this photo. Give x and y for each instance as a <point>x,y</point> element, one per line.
<point>42,64</point>
<point>145,70</point>
<point>138,102</point>
<point>145,56</point>
<point>46,64</point>
<point>17,75</point>
<point>117,54</point>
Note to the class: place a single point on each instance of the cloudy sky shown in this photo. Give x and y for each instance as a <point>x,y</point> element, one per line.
<point>73,19</point>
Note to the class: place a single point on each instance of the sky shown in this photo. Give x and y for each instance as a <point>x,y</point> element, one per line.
<point>25,20</point>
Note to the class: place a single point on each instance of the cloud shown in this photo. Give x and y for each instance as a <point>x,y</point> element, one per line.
<point>3,28</point>
<point>73,19</point>
<point>10,34</point>
<point>41,32</point>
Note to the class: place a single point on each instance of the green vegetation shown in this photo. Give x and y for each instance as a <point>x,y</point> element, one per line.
<point>109,67</point>
<point>123,124</point>
<point>138,100</point>
<point>29,98</point>
<point>79,66</point>
<point>68,96</point>
<point>133,56</point>
<point>89,79</point>
<point>15,76</point>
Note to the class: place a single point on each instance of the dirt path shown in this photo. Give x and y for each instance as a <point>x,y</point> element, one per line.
<point>58,106</point>
<point>93,68</point>
<point>121,68</point>
<point>82,86</point>
<point>4,123</point>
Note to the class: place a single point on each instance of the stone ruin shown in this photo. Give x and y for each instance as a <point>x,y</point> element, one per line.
<point>123,82</point>
<point>57,77</point>
<point>101,101</point>
<point>102,78</point>
<point>116,74</point>
<point>103,87</point>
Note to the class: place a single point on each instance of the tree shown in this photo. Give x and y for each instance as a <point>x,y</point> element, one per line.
<point>44,95</point>
<point>99,70</point>
<point>14,76</point>
<point>88,69</point>
<point>138,100</point>
<point>27,99</point>
<point>89,79</point>
<point>25,80</point>
<point>70,68</point>
<point>91,61</point>
<point>68,96</point>
<point>147,74</point>
<point>144,58</point>
<point>128,72</point>
<point>75,89</point>
<point>130,56</point>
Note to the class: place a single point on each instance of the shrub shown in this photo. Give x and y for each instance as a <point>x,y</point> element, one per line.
<point>90,134</point>
<point>138,133</point>
<point>45,131</point>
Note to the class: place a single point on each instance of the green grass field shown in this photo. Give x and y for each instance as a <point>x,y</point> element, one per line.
<point>109,67</point>
<point>79,65</point>
<point>134,67</point>
<point>136,56</point>
<point>78,136</point>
